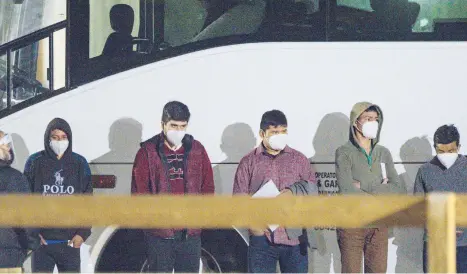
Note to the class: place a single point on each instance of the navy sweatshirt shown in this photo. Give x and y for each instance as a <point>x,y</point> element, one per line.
<point>434,177</point>
<point>14,182</point>
<point>50,176</point>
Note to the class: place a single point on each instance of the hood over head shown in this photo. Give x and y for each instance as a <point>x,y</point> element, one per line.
<point>357,110</point>
<point>4,162</point>
<point>61,124</point>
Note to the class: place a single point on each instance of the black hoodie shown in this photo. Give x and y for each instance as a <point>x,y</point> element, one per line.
<point>56,177</point>
<point>13,181</point>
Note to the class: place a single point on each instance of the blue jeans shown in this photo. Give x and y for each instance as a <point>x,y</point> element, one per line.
<point>461,258</point>
<point>263,257</point>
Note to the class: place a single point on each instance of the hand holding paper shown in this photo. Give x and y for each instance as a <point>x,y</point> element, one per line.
<point>268,190</point>
<point>384,174</point>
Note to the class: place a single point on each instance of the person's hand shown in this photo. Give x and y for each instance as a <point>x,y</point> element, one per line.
<point>385,181</point>
<point>257,231</point>
<point>29,252</point>
<point>43,242</point>
<point>356,184</point>
<point>76,242</point>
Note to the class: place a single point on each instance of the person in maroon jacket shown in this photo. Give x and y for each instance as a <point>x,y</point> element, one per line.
<point>173,163</point>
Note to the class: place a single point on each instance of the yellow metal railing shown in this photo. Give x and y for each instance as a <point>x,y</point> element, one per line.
<point>440,213</point>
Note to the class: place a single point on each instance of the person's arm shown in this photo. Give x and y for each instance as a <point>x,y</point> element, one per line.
<point>344,175</point>
<point>86,183</point>
<point>394,183</point>
<point>140,173</point>
<point>419,186</point>
<point>307,184</point>
<point>29,172</point>
<point>28,237</point>
<point>242,186</point>
<point>207,186</point>
<point>242,178</point>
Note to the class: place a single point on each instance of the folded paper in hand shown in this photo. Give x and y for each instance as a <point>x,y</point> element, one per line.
<point>383,171</point>
<point>268,190</point>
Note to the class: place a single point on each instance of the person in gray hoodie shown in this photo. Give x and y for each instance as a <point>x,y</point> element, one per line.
<point>365,167</point>
<point>446,172</point>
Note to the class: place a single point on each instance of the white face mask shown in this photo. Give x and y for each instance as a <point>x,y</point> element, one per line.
<point>175,137</point>
<point>370,129</point>
<point>278,142</point>
<point>59,147</point>
<point>5,140</point>
<point>447,159</point>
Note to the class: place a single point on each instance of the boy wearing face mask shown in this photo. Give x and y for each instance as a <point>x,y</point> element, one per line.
<point>173,163</point>
<point>57,171</point>
<point>447,172</point>
<point>365,167</point>
<point>292,174</point>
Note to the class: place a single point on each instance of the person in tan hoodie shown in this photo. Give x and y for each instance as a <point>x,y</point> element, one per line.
<point>365,167</point>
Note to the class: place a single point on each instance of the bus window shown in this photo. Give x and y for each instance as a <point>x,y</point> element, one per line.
<point>415,16</point>
<point>112,28</point>
<point>28,73</point>
<point>183,20</point>
<point>128,33</point>
<point>25,17</point>
<point>154,25</point>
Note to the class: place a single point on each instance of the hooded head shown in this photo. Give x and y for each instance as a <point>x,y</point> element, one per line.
<point>361,114</point>
<point>58,138</point>
<point>6,150</point>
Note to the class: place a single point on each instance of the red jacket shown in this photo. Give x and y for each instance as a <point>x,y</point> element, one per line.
<point>149,174</point>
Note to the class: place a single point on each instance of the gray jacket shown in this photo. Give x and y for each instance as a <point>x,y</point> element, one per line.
<point>303,188</point>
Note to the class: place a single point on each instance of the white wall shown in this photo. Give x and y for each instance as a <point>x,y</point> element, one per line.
<point>419,86</point>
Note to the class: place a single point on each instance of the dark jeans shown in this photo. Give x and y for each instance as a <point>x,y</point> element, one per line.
<point>461,258</point>
<point>179,255</point>
<point>11,257</point>
<point>263,257</point>
<point>66,258</point>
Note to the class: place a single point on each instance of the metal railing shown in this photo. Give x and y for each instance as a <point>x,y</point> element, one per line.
<point>27,40</point>
<point>439,213</point>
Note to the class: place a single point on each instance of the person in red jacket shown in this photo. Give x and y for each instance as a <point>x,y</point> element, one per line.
<point>173,163</point>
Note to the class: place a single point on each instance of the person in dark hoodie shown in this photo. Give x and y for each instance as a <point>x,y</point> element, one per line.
<point>446,172</point>
<point>57,171</point>
<point>364,167</point>
<point>173,163</point>
<point>15,243</point>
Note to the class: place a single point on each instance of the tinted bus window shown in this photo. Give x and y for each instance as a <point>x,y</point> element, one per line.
<point>113,35</point>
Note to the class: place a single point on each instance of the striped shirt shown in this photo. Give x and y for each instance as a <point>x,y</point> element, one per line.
<point>284,169</point>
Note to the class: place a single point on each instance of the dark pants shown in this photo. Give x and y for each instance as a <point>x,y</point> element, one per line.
<point>461,258</point>
<point>263,257</point>
<point>66,258</point>
<point>11,257</point>
<point>372,243</point>
<point>179,255</point>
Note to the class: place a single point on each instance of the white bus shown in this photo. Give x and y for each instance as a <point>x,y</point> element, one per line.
<point>230,61</point>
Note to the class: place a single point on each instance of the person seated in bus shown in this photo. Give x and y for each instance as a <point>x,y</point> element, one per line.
<point>173,163</point>
<point>446,172</point>
<point>365,167</point>
<point>15,243</point>
<point>396,14</point>
<point>58,171</point>
<point>290,171</point>
<point>120,42</point>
